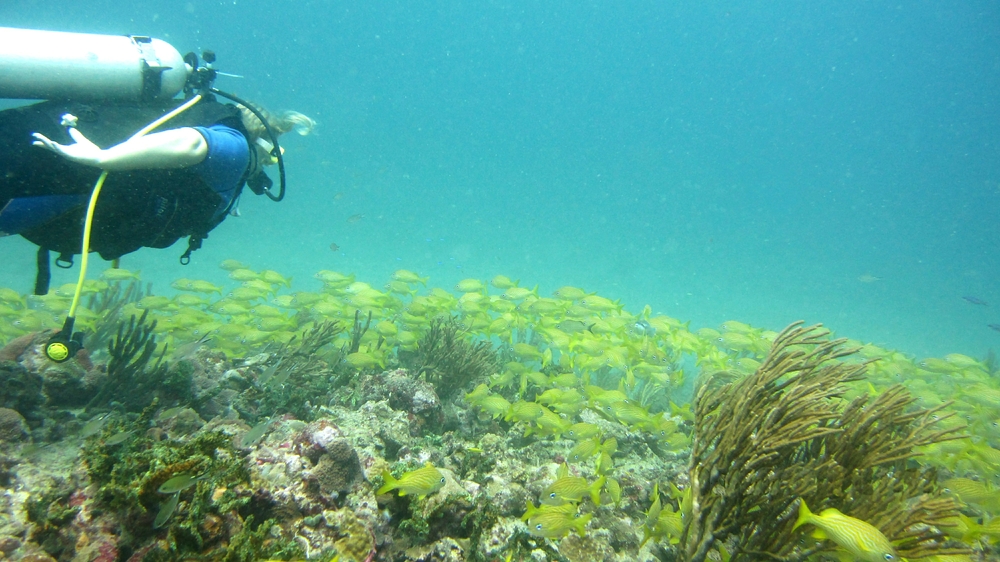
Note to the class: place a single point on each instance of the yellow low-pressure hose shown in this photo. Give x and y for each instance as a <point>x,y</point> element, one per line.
<point>89,221</point>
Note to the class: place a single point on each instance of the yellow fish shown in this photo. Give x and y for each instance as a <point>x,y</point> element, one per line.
<point>571,489</point>
<point>232,265</point>
<point>153,302</point>
<point>582,430</point>
<point>480,392</point>
<point>570,293</point>
<point>334,279</point>
<point>199,286</point>
<point>600,304</point>
<point>494,405</point>
<point>10,296</point>
<point>188,300</point>
<point>584,449</point>
<point>554,521</point>
<point>246,294</point>
<point>503,282</point>
<point>362,360</point>
<point>407,276</point>
<point>116,274</point>
<point>470,286</point>
<point>420,482</point>
<point>524,411</point>
<point>862,540</point>
<point>275,278</point>
<point>243,274</point>
<point>518,293</point>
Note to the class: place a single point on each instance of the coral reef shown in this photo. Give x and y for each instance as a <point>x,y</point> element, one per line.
<point>784,433</point>
<point>255,423</point>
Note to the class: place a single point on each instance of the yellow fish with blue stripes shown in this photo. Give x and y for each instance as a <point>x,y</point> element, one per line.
<point>420,482</point>
<point>859,538</point>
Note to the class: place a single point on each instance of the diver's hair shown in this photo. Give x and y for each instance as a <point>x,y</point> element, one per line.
<point>282,123</point>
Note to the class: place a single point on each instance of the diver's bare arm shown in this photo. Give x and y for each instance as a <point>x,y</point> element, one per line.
<point>175,148</point>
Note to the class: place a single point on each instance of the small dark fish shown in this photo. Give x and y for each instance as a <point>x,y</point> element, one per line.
<point>281,377</point>
<point>355,218</point>
<point>118,438</point>
<point>994,326</point>
<point>180,483</point>
<point>975,300</point>
<point>187,350</point>
<point>268,373</point>
<point>170,413</point>
<point>94,425</point>
<point>642,328</point>
<point>334,246</point>
<point>34,448</point>
<point>255,434</point>
<point>167,509</point>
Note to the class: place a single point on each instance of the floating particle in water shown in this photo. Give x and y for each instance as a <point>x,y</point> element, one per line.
<point>354,219</point>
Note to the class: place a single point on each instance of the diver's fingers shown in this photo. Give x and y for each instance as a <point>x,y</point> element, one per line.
<point>43,141</point>
<point>79,137</point>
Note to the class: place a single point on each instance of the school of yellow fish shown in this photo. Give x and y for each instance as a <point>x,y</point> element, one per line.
<point>570,351</point>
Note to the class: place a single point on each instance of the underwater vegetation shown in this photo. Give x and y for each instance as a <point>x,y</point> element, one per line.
<point>447,359</point>
<point>783,437</point>
<point>248,420</point>
<point>130,379</point>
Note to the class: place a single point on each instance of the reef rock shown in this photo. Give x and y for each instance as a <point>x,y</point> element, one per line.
<point>17,346</point>
<point>21,390</point>
<point>444,550</point>
<point>338,469</point>
<point>67,385</point>
<point>406,394</point>
<point>13,428</point>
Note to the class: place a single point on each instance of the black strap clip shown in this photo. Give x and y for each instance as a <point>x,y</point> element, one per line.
<point>64,261</point>
<point>194,243</point>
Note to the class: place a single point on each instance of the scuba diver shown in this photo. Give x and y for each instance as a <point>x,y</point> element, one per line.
<point>180,180</point>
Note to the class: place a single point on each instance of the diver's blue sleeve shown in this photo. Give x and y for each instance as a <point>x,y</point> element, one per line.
<point>227,158</point>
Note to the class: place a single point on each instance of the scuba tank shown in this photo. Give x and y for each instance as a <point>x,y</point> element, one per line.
<point>36,64</point>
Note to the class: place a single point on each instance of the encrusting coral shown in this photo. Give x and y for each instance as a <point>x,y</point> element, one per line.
<point>786,432</point>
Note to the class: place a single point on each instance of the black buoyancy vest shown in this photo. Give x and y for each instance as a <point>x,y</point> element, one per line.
<point>137,208</point>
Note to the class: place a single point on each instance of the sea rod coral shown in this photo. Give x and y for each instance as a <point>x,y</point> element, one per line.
<point>785,432</point>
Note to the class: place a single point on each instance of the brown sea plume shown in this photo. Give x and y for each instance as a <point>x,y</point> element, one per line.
<point>786,432</point>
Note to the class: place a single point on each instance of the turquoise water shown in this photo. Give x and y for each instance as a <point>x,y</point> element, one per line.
<point>749,161</point>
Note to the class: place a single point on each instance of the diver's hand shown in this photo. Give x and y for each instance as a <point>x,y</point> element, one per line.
<point>83,151</point>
